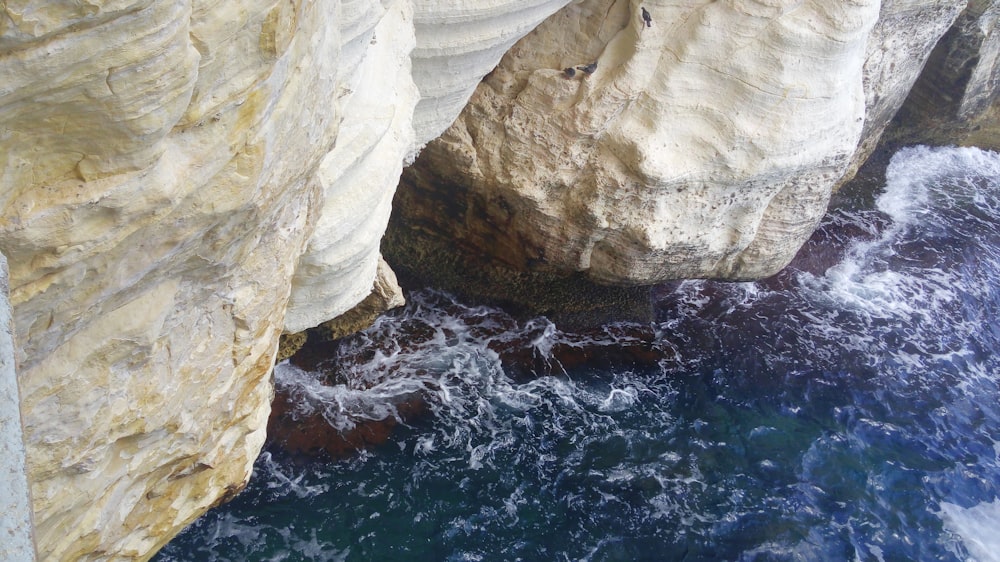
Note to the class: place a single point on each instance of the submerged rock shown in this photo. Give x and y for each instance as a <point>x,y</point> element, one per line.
<point>310,435</point>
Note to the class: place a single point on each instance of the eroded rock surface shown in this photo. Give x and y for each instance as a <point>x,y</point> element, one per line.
<point>894,62</point>
<point>419,70</point>
<point>955,101</point>
<point>152,220</point>
<point>181,182</point>
<point>704,145</point>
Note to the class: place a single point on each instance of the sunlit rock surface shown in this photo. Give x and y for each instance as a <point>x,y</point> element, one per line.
<point>152,221</point>
<point>457,43</point>
<point>182,182</point>
<point>418,71</point>
<point>358,177</point>
<point>704,145</point>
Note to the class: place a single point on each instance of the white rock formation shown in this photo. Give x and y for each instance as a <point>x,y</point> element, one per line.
<point>166,168</point>
<point>358,177</point>
<point>956,99</point>
<point>980,26</point>
<point>163,166</point>
<point>705,145</point>
<point>894,60</point>
<point>452,45</point>
<point>152,220</point>
<point>457,43</point>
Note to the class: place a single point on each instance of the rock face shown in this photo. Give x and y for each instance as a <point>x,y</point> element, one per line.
<point>15,503</point>
<point>357,177</point>
<point>704,145</point>
<point>152,221</point>
<point>182,182</point>
<point>955,100</point>
<point>452,45</point>
<point>894,61</point>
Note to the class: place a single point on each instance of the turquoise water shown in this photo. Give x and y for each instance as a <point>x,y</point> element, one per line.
<point>846,409</point>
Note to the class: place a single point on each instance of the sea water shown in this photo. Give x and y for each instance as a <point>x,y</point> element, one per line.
<point>846,409</point>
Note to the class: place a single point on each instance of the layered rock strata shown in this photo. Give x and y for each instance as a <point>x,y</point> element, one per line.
<point>458,43</point>
<point>181,182</point>
<point>152,220</point>
<point>705,144</point>
<point>377,96</point>
<point>418,72</point>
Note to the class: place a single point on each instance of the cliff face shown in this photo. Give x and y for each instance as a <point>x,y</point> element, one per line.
<point>705,144</point>
<point>955,100</point>
<point>183,181</point>
<point>152,220</point>
<point>407,79</point>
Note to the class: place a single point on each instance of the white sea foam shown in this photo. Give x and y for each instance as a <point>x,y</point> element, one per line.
<point>915,172</point>
<point>915,270</point>
<point>282,478</point>
<point>620,399</point>
<point>340,405</point>
<point>978,527</point>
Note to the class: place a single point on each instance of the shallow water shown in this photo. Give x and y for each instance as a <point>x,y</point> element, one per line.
<point>845,409</point>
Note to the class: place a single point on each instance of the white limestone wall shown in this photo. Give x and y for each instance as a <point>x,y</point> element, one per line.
<point>412,68</point>
<point>705,145</point>
<point>157,186</point>
<point>181,181</point>
<point>457,43</point>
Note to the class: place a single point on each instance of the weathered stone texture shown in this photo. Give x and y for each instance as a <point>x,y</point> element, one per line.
<point>703,146</point>
<point>182,182</point>
<point>179,183</point>
<point>894,61</point>
<point>706,145</point>
<point>152,221</point>
<point>956,99</point>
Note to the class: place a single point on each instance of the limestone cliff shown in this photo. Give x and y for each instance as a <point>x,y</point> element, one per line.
<point>418,72</point>
<point>151,221</point>
<point>703,144</point>
<point>955,100</point>
<point>181,182</point>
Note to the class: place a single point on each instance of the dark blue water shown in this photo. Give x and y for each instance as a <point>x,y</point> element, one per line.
<point>847,409</point>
